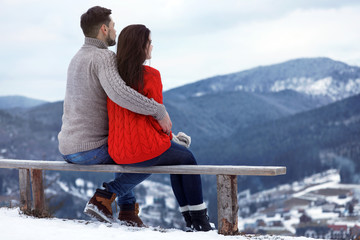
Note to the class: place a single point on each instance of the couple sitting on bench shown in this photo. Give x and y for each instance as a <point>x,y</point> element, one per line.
<point>114,113</point>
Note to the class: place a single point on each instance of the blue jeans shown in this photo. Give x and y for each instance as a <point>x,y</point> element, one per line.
<point>187,188</point>
<point>101,155</point>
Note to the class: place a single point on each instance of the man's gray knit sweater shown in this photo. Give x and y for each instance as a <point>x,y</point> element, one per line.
<point>92,76</point>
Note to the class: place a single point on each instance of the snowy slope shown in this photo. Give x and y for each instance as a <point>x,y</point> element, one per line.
<point>15,226</point>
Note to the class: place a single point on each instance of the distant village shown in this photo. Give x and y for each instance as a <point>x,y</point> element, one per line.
<point>318,207</point>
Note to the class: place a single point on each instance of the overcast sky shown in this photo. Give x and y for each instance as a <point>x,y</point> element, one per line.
<point>193,39</point>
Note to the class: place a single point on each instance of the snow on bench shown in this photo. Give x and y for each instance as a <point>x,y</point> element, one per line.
<point>226,182</point>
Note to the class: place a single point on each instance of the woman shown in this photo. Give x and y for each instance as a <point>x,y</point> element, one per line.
<point>138,140</point>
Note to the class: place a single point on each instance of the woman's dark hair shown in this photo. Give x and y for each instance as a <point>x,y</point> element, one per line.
<point>93,19</point>
<point>131,54</point>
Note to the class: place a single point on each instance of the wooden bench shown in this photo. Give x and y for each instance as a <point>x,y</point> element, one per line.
<point>31,179</point>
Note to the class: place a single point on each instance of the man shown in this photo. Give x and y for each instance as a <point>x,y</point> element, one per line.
<point>92,77</point>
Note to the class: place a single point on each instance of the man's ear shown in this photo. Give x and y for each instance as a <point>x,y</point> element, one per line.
<point>103,29</point>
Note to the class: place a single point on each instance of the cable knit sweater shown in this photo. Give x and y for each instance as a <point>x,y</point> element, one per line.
<point>92,77</point>
<point>133,137</point>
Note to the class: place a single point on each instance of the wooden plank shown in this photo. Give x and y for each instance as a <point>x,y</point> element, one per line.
<point>25,191</point>
<point>227,204</point>
<point>38,192</point>
<point>179,169</point>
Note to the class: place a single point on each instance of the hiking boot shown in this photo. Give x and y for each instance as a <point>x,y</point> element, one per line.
<point>187,217</point>
<point>200,220</point>
<point>129,214</point>
<point>99,206</point>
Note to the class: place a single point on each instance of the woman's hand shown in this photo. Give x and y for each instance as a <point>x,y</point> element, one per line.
<point>166,124</point>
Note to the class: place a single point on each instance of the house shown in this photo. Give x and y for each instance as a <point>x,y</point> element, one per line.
<point>338,231</point>
<point>305,218</point>
<point>328,231</point>
<point>313,231</point>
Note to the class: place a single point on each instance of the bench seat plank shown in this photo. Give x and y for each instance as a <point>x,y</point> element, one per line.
<point>178,169</point>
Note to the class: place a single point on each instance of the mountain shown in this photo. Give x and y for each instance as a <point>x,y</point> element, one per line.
<point>49,114</point>
<point>215,107</point>
<point>8,102</point>
<point>323,77</point>
<point>217,115</point>
<point>306,143</point>
<point>28,135</point>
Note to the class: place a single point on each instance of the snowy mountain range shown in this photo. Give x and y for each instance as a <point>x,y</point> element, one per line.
<point>322,77</point>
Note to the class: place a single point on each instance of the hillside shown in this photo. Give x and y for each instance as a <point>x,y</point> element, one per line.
<point>218,115</point>
<point>307,142</point>
<point>327,204</point>
<point>23,136</point>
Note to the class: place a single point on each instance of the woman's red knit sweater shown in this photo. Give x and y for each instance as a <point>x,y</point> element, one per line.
<point>133,137</point>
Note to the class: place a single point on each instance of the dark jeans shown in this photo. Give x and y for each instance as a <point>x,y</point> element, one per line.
<point>101,155</point>
<point>187,188</point>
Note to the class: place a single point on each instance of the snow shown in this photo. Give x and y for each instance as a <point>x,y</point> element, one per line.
<point>80,182</point>
<point>90,192</point>
<point>316,213</point>
<point>63,186</point>
<point>158,190</point>
<point>89,184</point>
<point>199,94</point>
<point>239,88</point>
<point>306,85</point>
<point>320,86</point>
<point>215,87</point>
<point>74,190</point>
<point>16,226</point>
<point>325,86</point>
<point>289,224</point>
<point>314,188</point>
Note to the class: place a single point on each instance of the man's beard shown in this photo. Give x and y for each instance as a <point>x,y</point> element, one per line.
<point>110,42</point>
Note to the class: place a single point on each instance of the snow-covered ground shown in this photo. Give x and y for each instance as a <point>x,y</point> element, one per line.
<point>15,226</point>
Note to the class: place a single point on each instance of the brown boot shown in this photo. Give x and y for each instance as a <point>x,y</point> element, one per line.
<point>129,214</point>
<point>99,206</point>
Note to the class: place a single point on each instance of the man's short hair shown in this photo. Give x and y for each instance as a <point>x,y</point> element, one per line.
<point>93,19</point>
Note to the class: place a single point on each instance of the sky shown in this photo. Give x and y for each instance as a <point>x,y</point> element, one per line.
<point>192,40</point>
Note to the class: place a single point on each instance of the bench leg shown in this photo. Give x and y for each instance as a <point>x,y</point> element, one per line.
<point>38,192</point>
<point>227,204</point>
<point>25,192</point>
